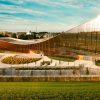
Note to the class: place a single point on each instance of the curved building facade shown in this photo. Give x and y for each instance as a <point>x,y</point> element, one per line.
<point>84,39</point>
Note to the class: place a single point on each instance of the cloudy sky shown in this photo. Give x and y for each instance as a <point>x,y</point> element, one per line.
<point>46,15</point>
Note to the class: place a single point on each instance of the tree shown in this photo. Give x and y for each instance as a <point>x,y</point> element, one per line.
<point>60,72</point>
<point>23,36</point>
<point>87,71</point>
<point>81,68</point>
<point>1,35</point>
<point>13,35</point>
<point>3,72</point>
<point>31,72</point>
<point>74,71</point>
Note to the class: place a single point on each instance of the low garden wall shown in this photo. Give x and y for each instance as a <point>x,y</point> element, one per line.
<point>50,79</point>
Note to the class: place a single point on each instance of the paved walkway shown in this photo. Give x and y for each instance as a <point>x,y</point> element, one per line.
<point>55,63</point>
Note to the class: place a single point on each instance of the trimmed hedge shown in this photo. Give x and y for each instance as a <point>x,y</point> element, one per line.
<point>46,68</point>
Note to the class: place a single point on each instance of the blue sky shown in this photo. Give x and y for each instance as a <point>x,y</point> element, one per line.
<point>46,15</point>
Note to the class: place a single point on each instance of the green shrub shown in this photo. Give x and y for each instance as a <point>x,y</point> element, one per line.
<point>97,62</point>
<point>45,62</point>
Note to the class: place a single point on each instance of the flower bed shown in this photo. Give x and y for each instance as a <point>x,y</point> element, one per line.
<point>15,60</point>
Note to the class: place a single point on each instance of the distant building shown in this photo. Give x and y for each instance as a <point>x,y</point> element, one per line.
<point>29,33</point>
<point>6,33</point>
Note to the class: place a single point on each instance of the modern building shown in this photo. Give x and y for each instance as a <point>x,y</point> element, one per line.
<point>83,39</point>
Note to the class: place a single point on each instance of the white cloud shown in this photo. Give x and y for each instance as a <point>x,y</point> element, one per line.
<point>17,9</point>
<point>65,3</point>
<point>19,24</point>
<point>64,23</point>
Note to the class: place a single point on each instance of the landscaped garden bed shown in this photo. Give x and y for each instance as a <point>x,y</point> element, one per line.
<point>15,60</point>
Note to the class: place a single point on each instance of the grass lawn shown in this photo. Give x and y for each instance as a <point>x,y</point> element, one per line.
<point>61,58</point>
<point>49,91</point>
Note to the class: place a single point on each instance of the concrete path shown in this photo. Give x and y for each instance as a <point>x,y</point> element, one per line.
<point>55,63</point>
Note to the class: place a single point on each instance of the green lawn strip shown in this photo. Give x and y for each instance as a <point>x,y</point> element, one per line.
<point>63,58</point>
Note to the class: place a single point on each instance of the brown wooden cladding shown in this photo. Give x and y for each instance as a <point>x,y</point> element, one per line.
<point>79,41</point>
